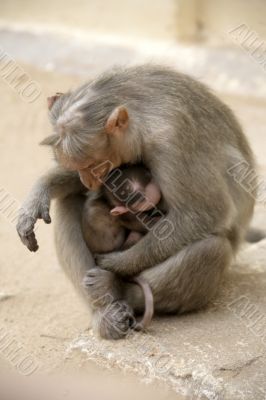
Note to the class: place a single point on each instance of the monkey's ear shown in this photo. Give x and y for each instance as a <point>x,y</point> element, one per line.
<point>51,140</point>
<point>117,121</point>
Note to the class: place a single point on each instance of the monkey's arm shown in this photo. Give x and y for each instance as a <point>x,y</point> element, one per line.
<point>193,216</point>
<point>56,183</point>
<point>150,250</point>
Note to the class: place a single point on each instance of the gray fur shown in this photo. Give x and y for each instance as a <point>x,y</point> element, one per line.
<point>188,139</point>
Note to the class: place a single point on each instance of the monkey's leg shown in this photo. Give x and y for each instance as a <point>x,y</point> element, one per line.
<point>96,285</point>
<point>187,280</point>
<point>112,317</point>
<point>72,252</point>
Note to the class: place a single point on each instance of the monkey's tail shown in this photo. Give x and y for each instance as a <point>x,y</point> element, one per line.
<point>149,304</point>
<point>254,235</point>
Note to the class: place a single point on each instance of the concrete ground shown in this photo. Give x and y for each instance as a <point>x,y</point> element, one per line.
<point>219,353</point>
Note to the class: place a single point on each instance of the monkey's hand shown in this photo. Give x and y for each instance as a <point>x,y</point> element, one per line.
<point>113,262</point>
<point>56,183</point>
<point>30,212</point>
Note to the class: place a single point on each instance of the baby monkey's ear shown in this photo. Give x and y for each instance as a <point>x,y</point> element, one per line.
<point>117,121</point>
<point>51,100</point>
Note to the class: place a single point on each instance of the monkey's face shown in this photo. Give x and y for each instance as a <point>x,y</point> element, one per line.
<point>92,169</point>
<point>90,146</point>
<point>139,200</point>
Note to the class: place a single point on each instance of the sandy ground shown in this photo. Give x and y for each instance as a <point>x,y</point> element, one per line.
<point>219,354</point>
<point>39,311</point>
<point>40,314</point>
<point>36,286</point>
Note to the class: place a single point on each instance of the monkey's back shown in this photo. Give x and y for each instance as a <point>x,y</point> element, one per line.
<point>156,93</point>
<point>181,121</point>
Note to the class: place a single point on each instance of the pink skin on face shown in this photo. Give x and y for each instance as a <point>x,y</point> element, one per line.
<point>152,197</point>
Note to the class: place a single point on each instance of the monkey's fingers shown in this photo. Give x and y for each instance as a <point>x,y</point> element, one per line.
<point>31,242</point>
<point>46,217</point>
<point>25,229</point>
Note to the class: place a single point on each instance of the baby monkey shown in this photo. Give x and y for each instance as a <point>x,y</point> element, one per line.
<point>125,208</point>
<point>127,205</point>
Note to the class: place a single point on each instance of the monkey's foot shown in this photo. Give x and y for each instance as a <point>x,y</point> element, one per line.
<point>102,286</point>
<point>114,321</point>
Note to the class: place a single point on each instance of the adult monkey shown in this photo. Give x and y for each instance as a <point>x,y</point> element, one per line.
<point>189,140</point>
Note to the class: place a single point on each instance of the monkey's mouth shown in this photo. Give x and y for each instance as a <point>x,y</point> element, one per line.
<point>93,175</point>
<point>90,182</point>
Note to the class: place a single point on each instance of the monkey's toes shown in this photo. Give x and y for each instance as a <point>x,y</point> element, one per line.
<point>95,276</point>
<point>115,321</point>
<point>100,286</point>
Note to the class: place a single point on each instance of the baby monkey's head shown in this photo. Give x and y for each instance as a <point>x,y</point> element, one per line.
<point>131,188</point>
